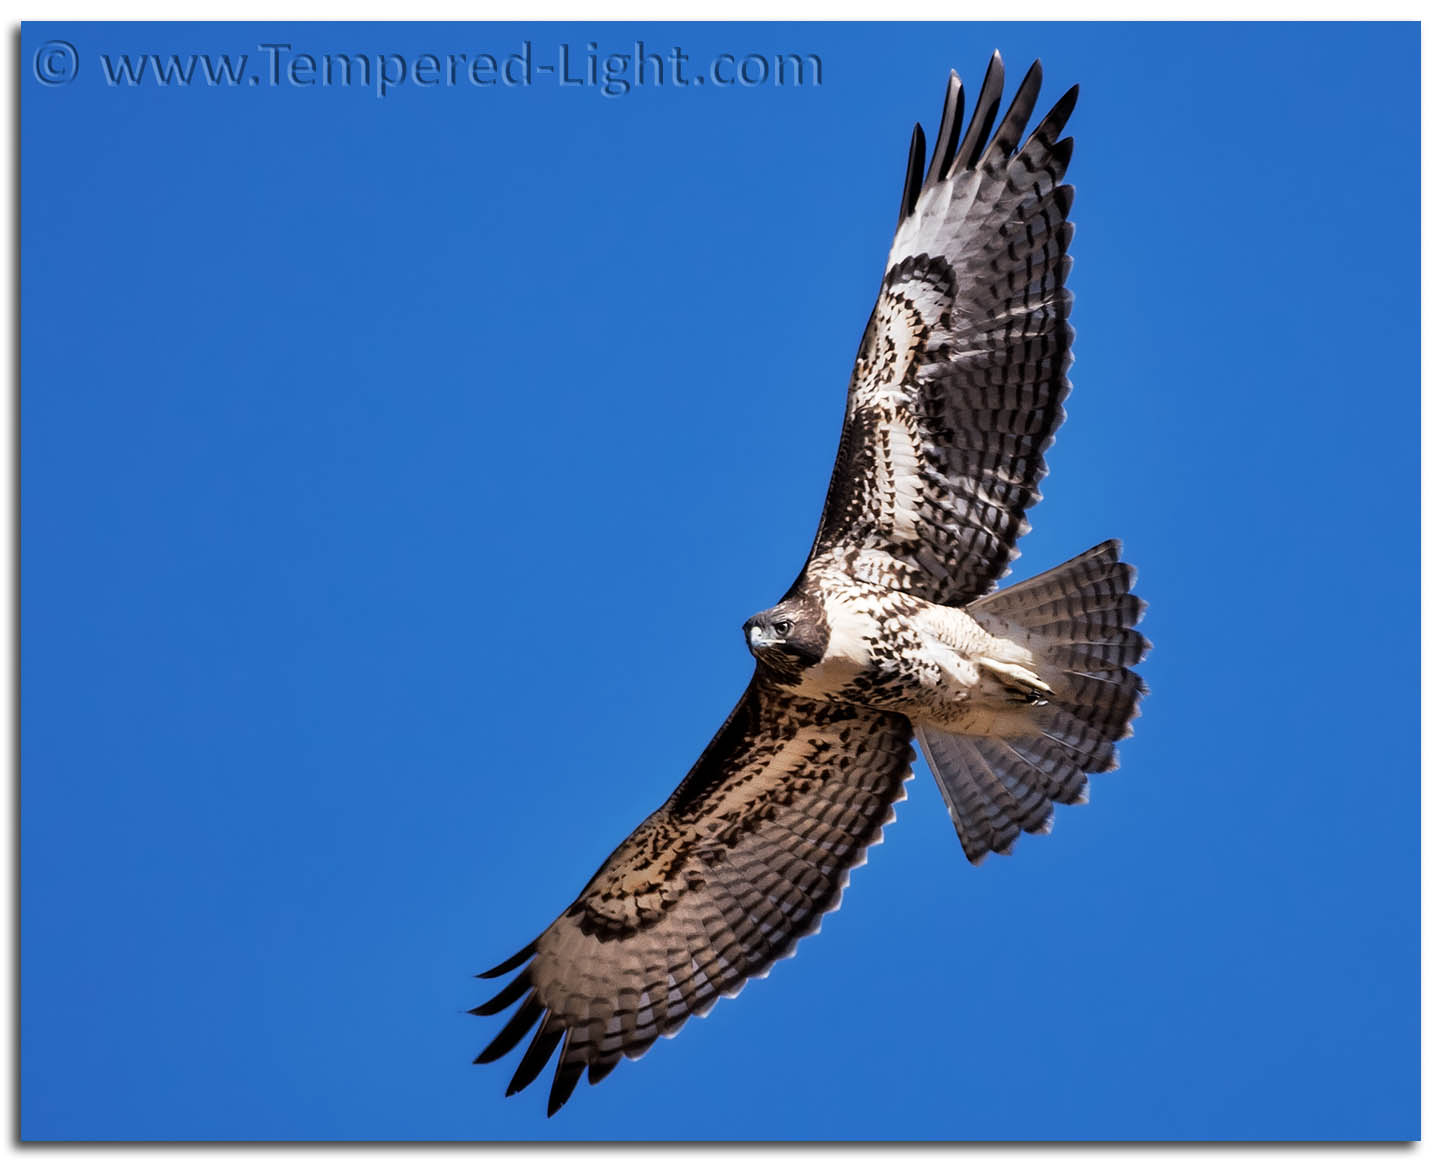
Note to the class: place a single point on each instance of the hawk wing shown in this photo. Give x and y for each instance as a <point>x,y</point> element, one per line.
<point>754,846</point>
<point>959,382</point>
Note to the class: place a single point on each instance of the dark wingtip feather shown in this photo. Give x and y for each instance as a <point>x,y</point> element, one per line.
<point>538,1052</point>
<point>506,965</point>
<point>983,116</point>
<point>505,998</point>
<point>949,132</point>
<point>1018,113</point>
<point>599,1069</point>
<point>1061,112</point>
<point>1061,155</point>
<point>1054,122</point>
<point>568,1073</point>
<point>516,1028</point>
<point>1064,197</point>
<point>915,161</point>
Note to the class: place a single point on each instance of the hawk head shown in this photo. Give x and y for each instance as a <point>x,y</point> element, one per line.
<point>788,638</point>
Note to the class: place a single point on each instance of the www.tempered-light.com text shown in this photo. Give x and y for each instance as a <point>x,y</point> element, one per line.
<point>277,64</point>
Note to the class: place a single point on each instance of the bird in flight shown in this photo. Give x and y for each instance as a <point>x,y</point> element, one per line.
<point>891,632</point>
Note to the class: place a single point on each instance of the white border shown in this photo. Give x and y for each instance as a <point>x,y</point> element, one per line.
<point>451,10</point>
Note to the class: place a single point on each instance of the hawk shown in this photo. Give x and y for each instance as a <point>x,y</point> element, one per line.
<point>891,632</point>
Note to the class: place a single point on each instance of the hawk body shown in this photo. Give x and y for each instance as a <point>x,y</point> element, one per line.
<point>889,650</point>
<point>891,632</point>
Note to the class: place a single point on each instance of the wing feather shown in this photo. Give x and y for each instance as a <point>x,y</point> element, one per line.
<point>911,184</point>
<point>949,132</point>
<point>969,153</point>
<point>714,887</point>
<point>959,381</point>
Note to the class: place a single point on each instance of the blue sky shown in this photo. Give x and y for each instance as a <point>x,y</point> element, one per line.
<point>397,472</point>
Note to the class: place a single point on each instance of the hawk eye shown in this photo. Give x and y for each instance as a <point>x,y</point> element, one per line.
<point>782,627</point>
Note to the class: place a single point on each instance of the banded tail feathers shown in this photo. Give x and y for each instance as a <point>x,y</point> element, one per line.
<point>1079,621</point>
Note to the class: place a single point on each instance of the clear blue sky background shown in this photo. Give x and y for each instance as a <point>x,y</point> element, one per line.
<point>397,473</point>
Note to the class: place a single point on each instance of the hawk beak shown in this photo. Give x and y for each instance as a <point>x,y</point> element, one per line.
<point>760,637</point>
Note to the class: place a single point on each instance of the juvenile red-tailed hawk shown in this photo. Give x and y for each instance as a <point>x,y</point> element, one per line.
<point>890,631</point>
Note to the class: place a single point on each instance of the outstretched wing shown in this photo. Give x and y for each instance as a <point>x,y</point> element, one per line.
<point>734,868</point>
<point>959,382</point>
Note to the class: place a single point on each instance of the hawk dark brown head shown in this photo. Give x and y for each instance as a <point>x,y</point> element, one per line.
<point>789,637</point>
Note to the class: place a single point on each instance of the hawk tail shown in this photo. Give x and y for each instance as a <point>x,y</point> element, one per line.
<point>1080,619</point>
